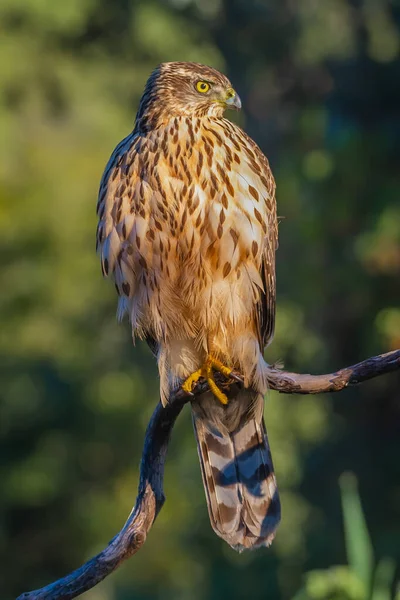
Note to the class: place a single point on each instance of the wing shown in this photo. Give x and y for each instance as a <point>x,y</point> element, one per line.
<point>117,208</point>
<point>112,190</point>
<point>266,308</point>
<point>132,234</point>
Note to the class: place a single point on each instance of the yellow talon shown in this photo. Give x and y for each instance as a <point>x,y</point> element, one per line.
<point>193,378</point>
<point>219,366</point>
<point>206,371</point>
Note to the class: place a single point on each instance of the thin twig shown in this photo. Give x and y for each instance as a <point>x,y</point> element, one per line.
<point>151,497</point>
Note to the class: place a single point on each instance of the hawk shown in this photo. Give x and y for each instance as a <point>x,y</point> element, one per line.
<point>188,231</point>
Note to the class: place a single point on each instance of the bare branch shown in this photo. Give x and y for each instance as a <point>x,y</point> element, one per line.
<point>294,383</point>
<point>151,497</point>
<point>133,535</point>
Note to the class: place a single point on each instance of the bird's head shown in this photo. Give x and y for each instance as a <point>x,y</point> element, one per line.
<point>180,89</point>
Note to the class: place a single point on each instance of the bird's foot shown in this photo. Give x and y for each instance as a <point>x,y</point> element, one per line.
<point>206,371</point>
<point>187,385</point>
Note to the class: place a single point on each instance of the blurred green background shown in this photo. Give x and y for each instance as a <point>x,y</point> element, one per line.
<point>320,84</point>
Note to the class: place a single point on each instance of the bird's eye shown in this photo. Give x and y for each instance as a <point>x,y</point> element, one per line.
<point>202,87</point>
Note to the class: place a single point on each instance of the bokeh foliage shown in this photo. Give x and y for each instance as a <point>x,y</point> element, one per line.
<point>320,86</point>
<point>360,579</point>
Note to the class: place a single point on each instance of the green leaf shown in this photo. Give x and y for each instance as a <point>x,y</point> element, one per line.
<point>383,579</point>
<point>358,543</point>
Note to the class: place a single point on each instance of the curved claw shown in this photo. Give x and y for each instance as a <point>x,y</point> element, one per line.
<point>188,393</point>
<point>236,377</point>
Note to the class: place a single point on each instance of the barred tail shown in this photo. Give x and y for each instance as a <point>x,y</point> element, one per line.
<point>239,479</point>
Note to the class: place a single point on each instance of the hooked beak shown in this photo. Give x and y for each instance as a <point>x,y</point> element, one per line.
<point>233,100</point>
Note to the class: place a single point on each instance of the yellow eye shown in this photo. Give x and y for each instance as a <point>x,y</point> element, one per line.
<point>202,86</point>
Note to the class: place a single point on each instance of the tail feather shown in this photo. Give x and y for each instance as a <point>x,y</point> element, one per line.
<point>216,451</point>
<point>239,479</point>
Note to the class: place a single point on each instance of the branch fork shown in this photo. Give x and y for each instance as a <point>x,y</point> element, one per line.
<point>150,498</point>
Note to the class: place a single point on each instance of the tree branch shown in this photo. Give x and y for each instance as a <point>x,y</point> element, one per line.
<point>151,497</point>
<point>294,383</point>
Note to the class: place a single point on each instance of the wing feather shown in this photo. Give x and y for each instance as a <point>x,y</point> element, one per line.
<point>117,211</point>
<point>266,307</point>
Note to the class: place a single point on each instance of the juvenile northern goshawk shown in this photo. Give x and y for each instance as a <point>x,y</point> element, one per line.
<point>188,230</point>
